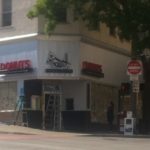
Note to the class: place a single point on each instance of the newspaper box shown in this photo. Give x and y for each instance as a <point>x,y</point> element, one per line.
<point>129,124</point>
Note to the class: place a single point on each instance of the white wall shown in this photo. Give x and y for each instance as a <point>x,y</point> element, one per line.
<point>21,24</point>
<point>19,50</point>
<point>58,48</point>
<point>113,64</point>
<point>77,91</point>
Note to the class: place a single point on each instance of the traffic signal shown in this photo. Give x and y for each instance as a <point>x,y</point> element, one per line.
<point>126,88</point>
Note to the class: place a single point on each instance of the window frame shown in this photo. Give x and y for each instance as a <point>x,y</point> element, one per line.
<point>6,11</point>
<point>61,14</point>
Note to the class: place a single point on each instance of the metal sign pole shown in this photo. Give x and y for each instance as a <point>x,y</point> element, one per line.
<point>135,91</point>
<point>134,69</point>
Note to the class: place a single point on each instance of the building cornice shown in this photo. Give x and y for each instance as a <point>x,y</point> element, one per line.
<point>60,37</point>
<point>105,45</point>
<point>68,37</point>
<point>87,40</point>
<point>17,37</point>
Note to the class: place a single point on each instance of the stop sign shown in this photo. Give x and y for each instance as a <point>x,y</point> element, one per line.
<point>134,67</point>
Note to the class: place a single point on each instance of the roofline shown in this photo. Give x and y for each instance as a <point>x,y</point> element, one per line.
<point>16,37</point>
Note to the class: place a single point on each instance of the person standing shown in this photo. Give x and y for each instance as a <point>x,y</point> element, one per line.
<point>110,115</point>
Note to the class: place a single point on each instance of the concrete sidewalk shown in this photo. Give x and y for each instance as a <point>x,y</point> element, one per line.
<point>4,128</point>
<point>14,129</point>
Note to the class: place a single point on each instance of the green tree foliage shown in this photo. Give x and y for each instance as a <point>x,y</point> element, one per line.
<point>127,19</point>
<point>47,9</point>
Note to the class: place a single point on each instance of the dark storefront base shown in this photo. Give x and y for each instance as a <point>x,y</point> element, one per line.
<point>76,120</point>
<point>34,118</point>
<point>71,121</point>
<point>81,121</point>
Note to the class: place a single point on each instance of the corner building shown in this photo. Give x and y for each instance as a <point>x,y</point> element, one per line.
<point>65,81</point>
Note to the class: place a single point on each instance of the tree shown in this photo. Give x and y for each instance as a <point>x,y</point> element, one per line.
<point>48,9</point>
<point>127,19</point>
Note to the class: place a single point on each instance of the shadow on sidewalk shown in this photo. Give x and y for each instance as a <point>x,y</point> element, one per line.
<point>107,133</point>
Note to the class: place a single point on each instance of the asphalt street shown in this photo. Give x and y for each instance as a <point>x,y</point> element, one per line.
<point>62,141</point>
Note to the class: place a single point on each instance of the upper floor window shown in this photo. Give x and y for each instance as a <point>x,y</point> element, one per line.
<point>61,14</point>
<point>6,12</point>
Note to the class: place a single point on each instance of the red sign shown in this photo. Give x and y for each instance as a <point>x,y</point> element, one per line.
<point>92,69</point>
<point>15,65</point>
<point>134,67</point>
<point>91,66</point>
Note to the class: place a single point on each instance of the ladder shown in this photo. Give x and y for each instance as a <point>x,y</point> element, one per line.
<point>52,114</point>
<point>49,114</point>
<point>57,114</point>
<point>21,117</point>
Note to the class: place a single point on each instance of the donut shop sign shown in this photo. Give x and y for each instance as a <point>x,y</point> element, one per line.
<point>19,66</point>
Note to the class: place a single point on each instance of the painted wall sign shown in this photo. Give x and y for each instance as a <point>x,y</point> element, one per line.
<point>56,65</point>
<point>19,66</point>
<point>92,69</point>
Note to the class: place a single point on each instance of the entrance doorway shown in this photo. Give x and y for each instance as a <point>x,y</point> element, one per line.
<point>52,111</point>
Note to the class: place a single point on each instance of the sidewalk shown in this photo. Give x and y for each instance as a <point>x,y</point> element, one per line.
<point>14,129</point>
<point>4,128</point>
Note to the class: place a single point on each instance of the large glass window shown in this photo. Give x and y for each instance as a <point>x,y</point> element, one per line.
<point>6,12</point>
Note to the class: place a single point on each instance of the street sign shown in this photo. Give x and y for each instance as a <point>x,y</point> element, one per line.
<point>135,86</point>
<point>134,67</point>
<point>134,77</point>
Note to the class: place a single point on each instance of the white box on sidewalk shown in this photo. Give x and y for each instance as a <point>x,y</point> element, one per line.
<point>129,124</point>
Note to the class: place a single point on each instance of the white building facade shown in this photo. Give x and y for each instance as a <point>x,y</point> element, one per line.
<point>66,82</point>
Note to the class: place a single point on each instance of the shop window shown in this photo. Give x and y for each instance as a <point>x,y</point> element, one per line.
<point>69,104</point>
<point>6,12</point>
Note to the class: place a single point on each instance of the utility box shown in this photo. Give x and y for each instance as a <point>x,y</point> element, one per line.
<point>129,124</point>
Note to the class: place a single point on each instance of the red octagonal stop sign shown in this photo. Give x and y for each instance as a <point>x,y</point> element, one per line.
<point>134,67</point>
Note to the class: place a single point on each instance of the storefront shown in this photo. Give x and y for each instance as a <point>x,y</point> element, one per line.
<point>44,76</point>
<point>65,84</point>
